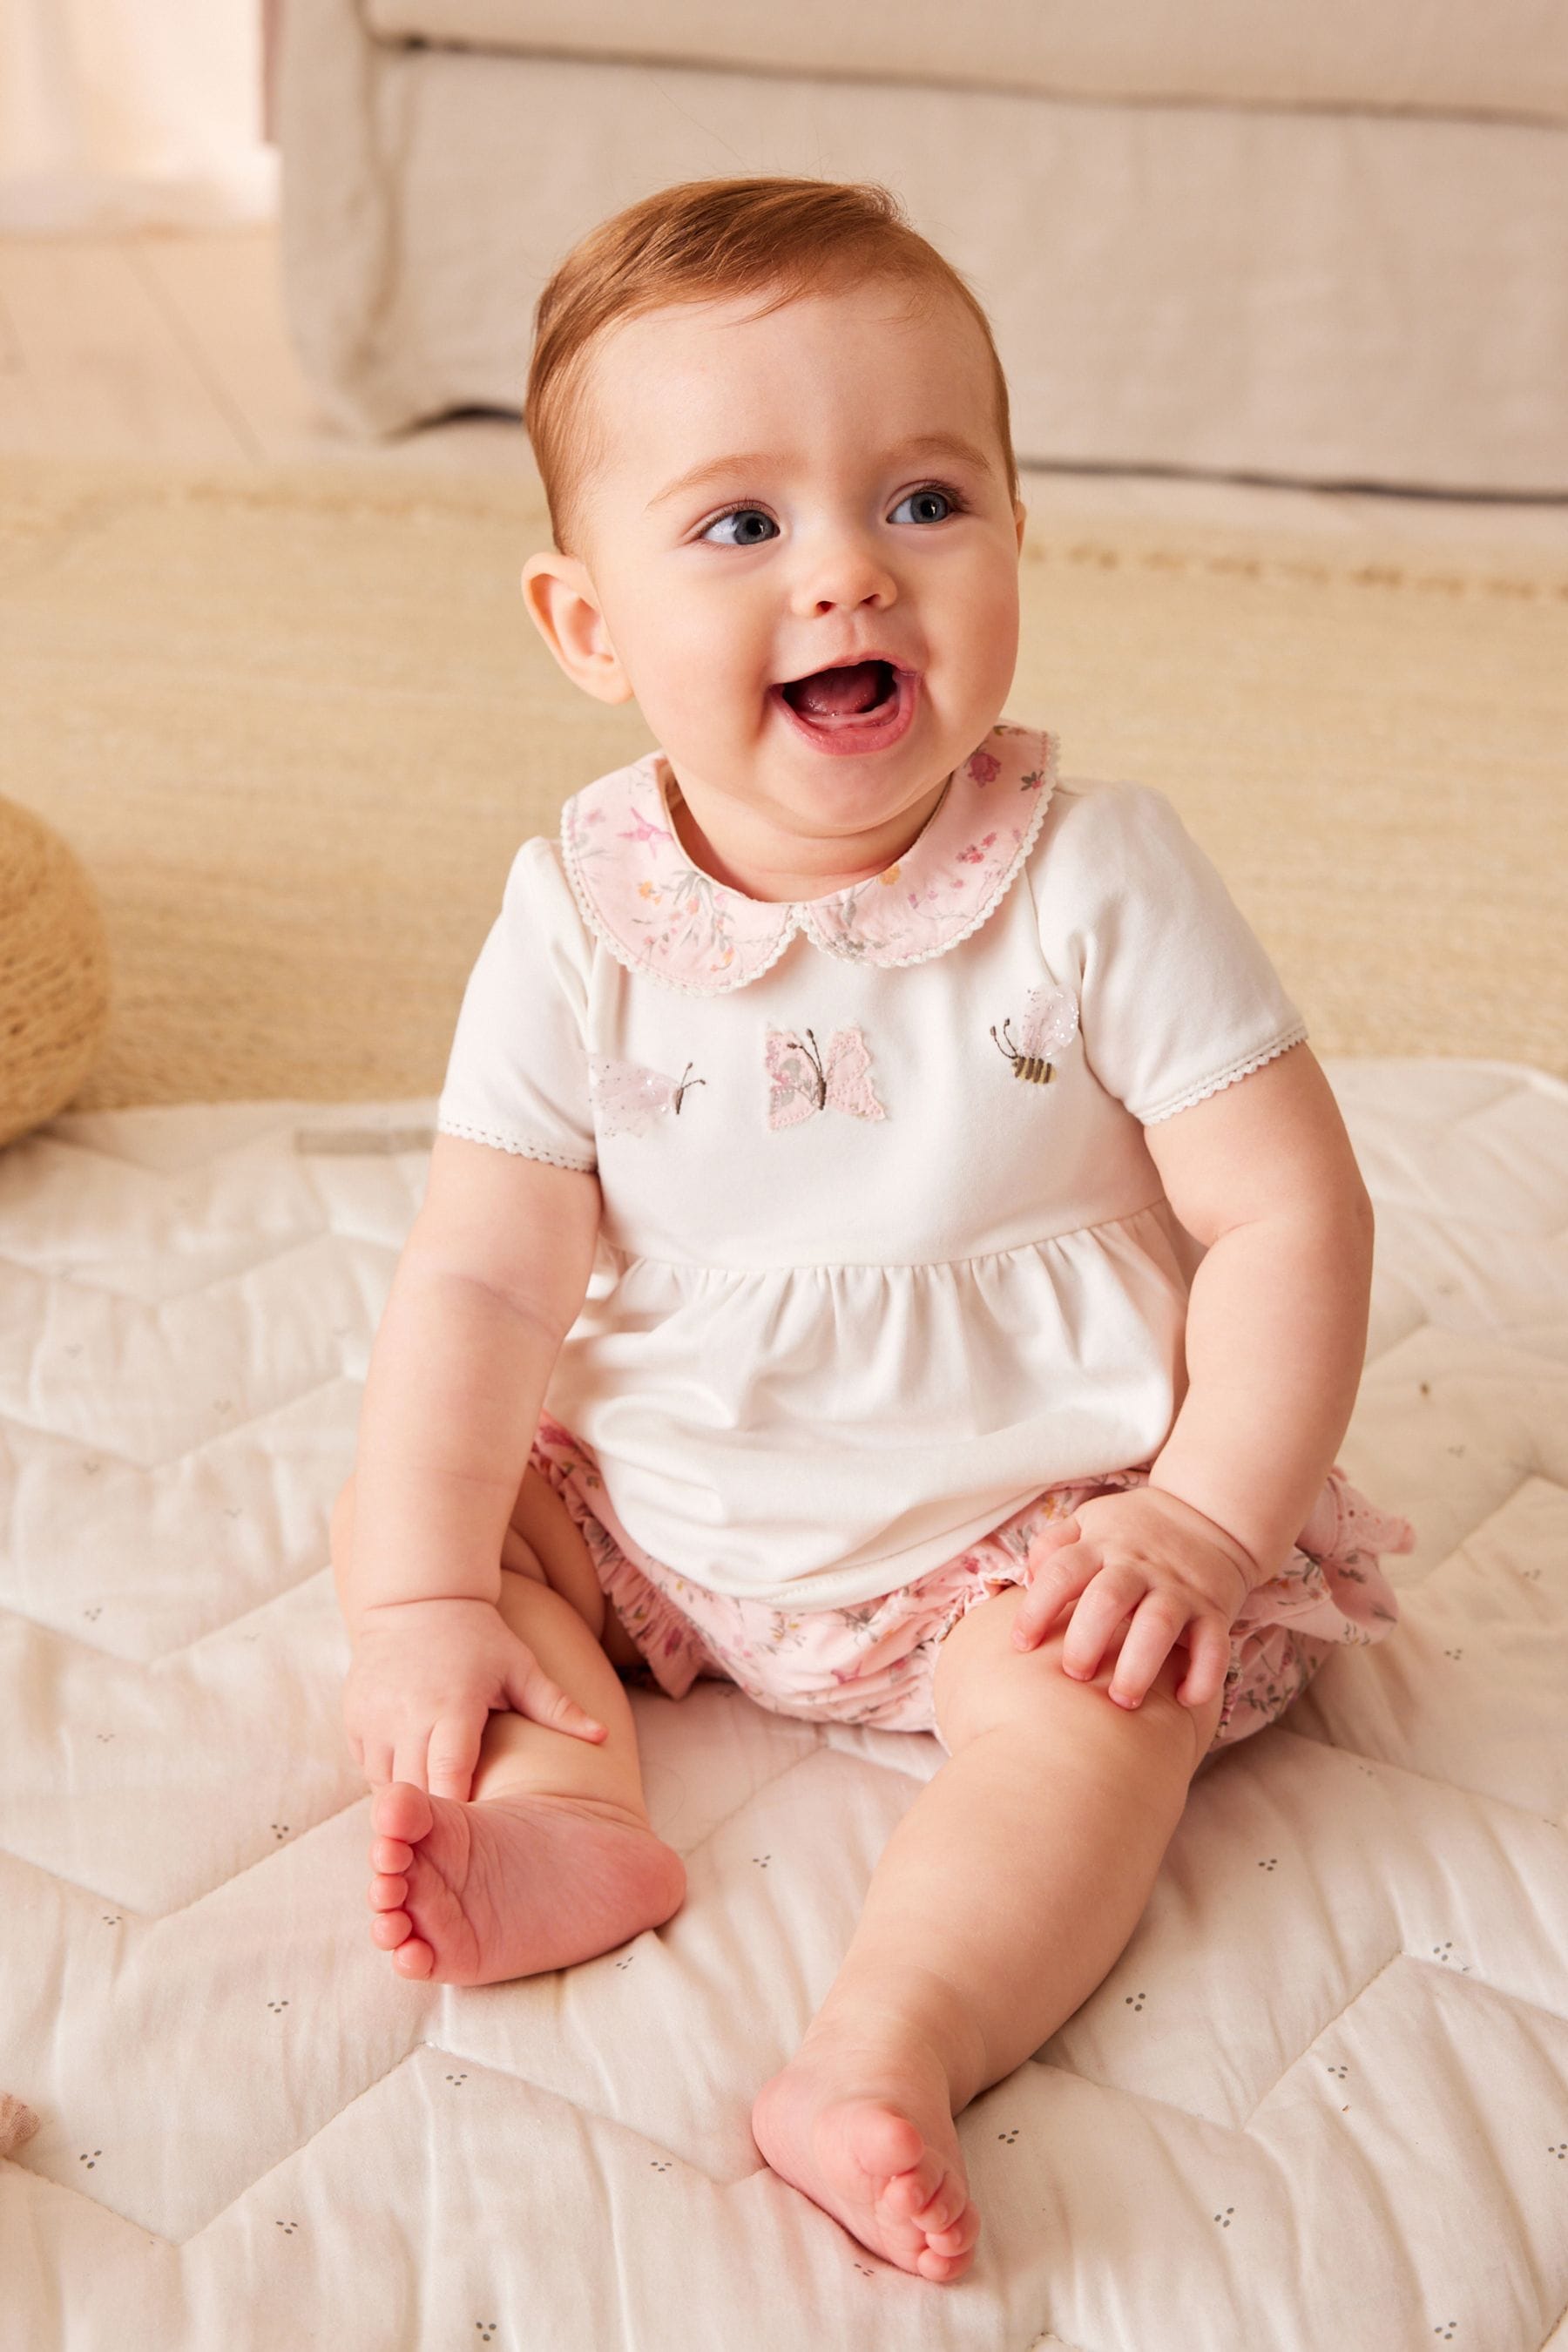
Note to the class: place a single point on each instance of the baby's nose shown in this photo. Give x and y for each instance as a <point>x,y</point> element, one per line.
<point>845,573</point>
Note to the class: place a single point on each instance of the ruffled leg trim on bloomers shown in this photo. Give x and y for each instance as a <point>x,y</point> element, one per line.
<point>674,1652</point>
<point>1330,1593</point>
<point>875,1664</point>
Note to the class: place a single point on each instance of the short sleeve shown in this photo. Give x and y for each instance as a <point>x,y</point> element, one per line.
<point>1176,995</point>
<point>517,1075</point>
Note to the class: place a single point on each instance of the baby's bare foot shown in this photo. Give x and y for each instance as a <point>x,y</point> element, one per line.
<point>869,2138</point>
<point>509,1886</point>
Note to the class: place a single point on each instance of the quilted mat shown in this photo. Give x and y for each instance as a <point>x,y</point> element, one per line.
<point>1319,2104</point>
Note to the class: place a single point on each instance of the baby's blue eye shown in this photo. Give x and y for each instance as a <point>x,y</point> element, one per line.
<point>924,499</point>
<point>932,504</point>
<point>739,515</point>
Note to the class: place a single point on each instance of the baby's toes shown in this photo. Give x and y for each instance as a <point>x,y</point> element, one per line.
<point>391,1854</point>
<point>959,2236</point>
<point>402,1812</point>
<point>387,1893</point>
<point>943,2211</point>
<point>941,2268</point>
<point>391,1928</point>
<point>411,1955</point>
<point>908,2194</point>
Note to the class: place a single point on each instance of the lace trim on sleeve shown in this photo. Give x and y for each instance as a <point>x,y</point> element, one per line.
<point>519,1146</point>
<point>1244,1068</point>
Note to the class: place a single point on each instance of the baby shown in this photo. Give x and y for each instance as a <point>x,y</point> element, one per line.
<point>901,1174</point>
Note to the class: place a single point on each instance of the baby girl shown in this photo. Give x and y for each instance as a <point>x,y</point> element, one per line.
<point>887,1242</point>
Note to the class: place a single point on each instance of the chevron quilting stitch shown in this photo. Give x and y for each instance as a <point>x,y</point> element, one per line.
<point>1325,2086</point>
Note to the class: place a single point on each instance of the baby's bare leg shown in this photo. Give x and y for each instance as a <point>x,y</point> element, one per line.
<point>552,1600</point>
<point>553,1859</point>
<point>1000,1902</point>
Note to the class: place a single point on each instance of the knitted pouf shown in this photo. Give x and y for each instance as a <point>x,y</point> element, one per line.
<point>54,972</point>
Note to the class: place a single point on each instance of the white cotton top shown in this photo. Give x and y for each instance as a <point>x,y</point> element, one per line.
<point>868,1280</point>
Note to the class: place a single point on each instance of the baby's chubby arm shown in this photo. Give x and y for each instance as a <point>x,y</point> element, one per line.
<point>492,1275</point>
<point>1263,1173</point>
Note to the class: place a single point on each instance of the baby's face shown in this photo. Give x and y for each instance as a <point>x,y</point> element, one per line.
<point>781,495</point>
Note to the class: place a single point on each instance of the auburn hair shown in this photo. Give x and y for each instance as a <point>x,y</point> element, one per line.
<point>701,241</point>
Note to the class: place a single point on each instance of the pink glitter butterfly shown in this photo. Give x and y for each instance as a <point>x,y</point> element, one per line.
<point>803,1080</point>
<point>629,1097</point>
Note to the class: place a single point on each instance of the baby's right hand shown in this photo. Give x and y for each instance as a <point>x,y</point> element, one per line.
<point>425,1678</point>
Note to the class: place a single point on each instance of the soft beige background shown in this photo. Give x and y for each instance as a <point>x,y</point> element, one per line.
<point>296,723</point>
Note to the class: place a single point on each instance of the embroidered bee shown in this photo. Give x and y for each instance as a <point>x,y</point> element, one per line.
<point>630,1097</point>
<point>1048,1022</point>
<point>802,1080</point>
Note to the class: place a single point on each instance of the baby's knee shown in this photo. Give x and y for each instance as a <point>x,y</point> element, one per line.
<point>982,1683</point>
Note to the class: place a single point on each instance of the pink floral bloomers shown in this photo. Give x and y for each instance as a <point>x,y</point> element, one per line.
<point>875,1664</point>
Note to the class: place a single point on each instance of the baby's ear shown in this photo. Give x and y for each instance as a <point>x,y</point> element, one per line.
<point>559,594</point>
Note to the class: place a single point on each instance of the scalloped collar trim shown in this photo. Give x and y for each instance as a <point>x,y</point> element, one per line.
<point>657,913</point>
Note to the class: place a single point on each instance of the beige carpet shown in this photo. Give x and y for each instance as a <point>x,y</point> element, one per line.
<point>296,722</point>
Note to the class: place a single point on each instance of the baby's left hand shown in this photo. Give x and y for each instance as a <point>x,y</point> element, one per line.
<point>1182,1577</point>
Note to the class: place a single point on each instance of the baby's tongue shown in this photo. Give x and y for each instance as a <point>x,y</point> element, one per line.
<point>838,693</point>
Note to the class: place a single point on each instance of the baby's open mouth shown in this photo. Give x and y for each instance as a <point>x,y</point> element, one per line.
<point>852,692</point>
<point>854,711</point>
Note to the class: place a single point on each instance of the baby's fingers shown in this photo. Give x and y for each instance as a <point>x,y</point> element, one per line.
<point>1052,1537</point>
<point>1208,1660</point>
<point>1108,1600</point>
<point>530,1690</point>
<point>1155,1628</point>
<point>1052,1589</point>
<point>408,1756</point>
<point>454,1752</point>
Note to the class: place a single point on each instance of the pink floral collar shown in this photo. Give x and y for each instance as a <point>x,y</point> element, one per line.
<point>656,912</point>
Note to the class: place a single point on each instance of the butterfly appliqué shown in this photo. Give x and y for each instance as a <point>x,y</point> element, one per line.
<point>1047,1022</point>
<point>630,1097</point>
<point>802,1079</point>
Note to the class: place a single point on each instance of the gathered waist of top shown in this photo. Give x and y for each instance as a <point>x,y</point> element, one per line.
<point>1022,1248</point>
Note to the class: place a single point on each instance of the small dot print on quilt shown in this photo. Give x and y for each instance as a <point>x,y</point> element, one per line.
<point>1356,1946</point>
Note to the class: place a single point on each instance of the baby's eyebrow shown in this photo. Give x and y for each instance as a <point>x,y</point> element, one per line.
<point>746,461</point>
